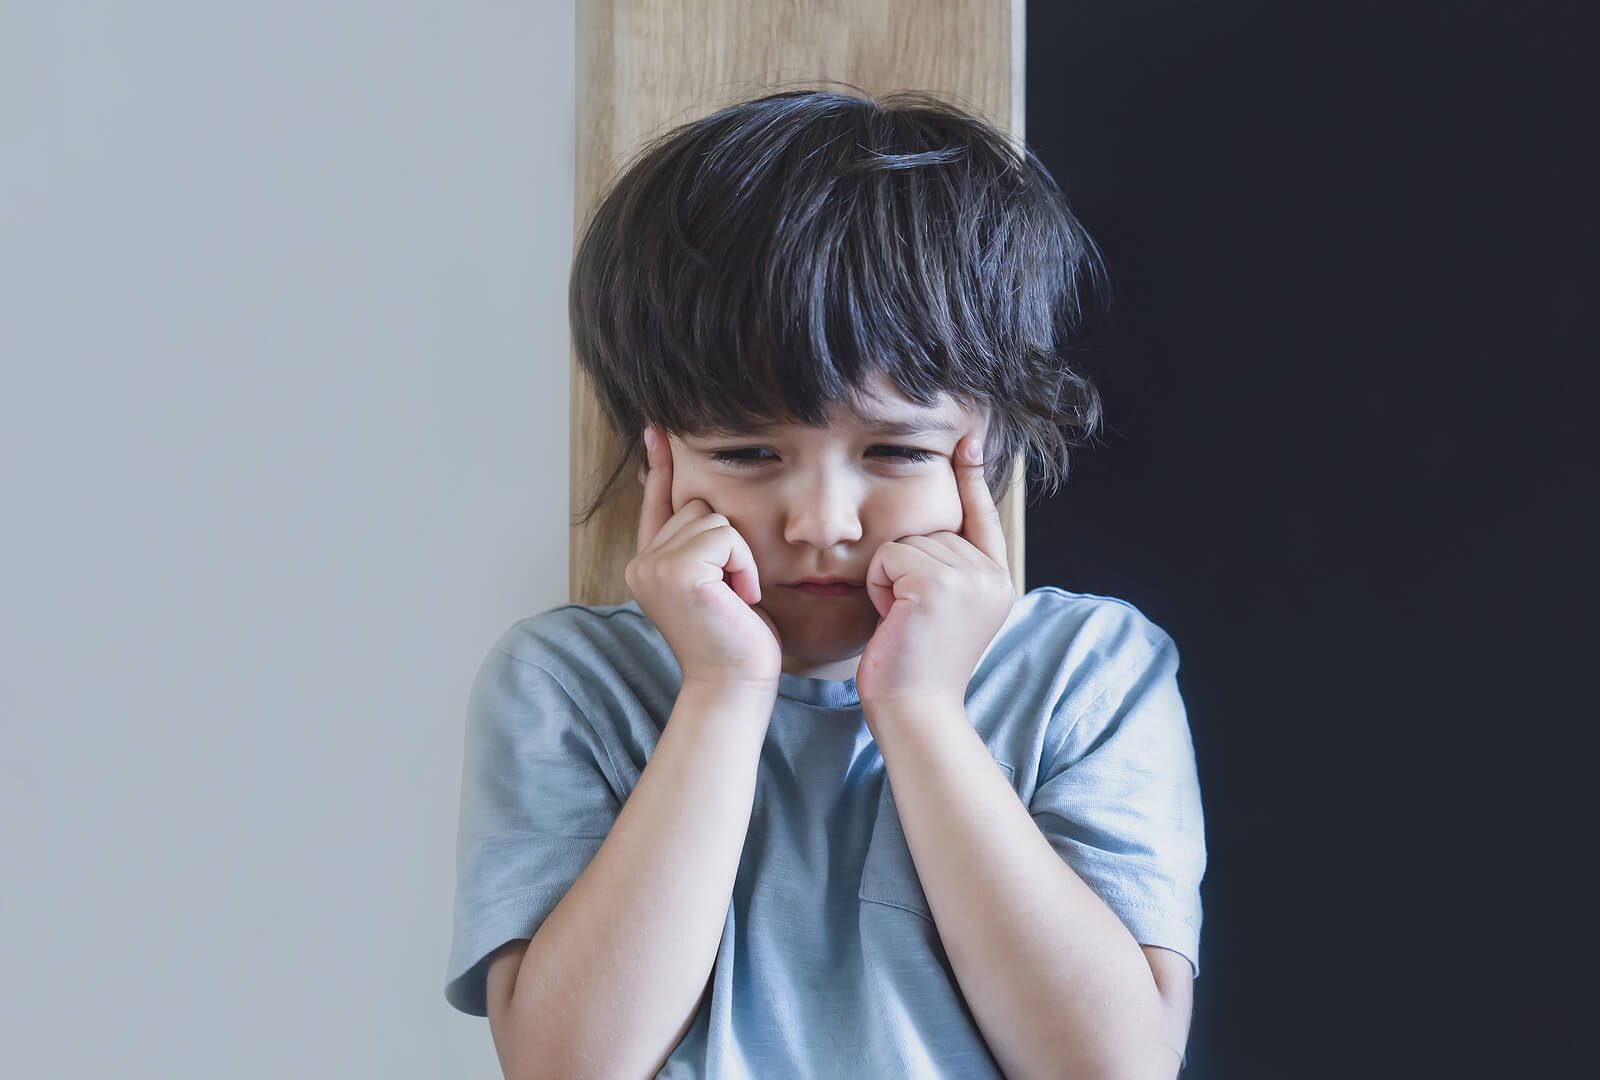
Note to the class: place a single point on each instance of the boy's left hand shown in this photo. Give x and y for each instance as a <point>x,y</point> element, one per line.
<point>941,598</point>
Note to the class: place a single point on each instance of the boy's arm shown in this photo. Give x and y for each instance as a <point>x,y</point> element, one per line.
<point>1175,982</point>
<point>1056,983</point>
<point>610,983</point>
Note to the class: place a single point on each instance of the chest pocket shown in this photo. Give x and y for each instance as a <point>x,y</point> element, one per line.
<point>888,873</point>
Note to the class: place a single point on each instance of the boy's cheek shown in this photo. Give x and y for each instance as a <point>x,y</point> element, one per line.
<point>688,485</point>
<point>683,477</point>
<point>944,509</point>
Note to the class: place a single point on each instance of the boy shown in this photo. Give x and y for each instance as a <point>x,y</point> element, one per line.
<point>825,798</point>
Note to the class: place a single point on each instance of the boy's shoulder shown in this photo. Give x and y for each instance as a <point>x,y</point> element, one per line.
<point>1046,613</point>
<point>581,635</point>
<point>1062,615</point>
<point>1084,636</point>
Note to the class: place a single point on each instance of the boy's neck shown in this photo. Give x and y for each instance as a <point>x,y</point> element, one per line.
<point>833,671</point>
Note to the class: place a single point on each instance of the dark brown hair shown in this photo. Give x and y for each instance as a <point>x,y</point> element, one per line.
<point>760,263</point>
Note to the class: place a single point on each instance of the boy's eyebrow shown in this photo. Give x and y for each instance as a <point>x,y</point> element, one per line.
<point>921,425</point>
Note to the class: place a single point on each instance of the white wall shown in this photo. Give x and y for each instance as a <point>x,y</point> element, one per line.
<point>283,449</point>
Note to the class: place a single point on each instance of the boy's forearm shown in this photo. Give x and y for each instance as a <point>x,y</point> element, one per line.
<point>1056,983</point>
<point>611,981</point>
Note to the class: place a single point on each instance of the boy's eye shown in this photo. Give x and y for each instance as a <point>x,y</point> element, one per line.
<point>738,457</point>
<point>905,453</point>
<point>746,455</point>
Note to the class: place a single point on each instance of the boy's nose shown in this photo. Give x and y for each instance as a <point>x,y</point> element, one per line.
<point>823,515</point>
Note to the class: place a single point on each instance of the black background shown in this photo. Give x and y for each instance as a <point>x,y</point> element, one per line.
<point>1347,379</point>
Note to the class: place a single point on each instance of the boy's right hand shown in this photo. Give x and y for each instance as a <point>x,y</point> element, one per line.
<point>694,577</point>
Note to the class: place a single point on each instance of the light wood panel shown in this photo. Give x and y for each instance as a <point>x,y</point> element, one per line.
<point>648,65</point>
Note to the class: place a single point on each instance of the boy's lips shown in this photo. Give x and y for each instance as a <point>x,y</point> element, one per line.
<point>827,586</point>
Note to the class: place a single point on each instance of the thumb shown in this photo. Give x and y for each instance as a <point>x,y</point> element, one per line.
<point>980,518</point>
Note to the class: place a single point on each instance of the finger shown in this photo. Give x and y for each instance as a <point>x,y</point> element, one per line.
<point>879,581</point>
<point>896,572</point>
<point>656,509</point>
<point>980,520</point>
<point>944,547</point>
<point>741,572</point>
<point>694,516</point>
<point>719,554</point>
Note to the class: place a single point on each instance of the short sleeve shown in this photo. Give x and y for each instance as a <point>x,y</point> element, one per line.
<point>1119,797</point>
<point>536,804</point>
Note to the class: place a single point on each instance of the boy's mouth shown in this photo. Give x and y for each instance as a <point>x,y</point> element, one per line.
<point>828,588</point>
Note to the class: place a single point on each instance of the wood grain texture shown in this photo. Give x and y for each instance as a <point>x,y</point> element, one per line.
<point>647,65</point>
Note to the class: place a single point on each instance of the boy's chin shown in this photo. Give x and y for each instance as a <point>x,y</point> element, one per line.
<point>824,643</point>
<point>843,628</point>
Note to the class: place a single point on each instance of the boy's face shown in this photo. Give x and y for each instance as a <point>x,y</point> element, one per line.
<point>818,502</point>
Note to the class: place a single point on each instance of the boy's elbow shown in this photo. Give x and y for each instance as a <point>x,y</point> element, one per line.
<point>1153,1061</point>
<point>526,1049</point>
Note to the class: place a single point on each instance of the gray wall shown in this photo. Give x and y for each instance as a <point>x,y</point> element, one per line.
<point>283,449</point>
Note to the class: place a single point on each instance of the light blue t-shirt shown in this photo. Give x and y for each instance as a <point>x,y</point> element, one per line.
<point>830,963</point>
